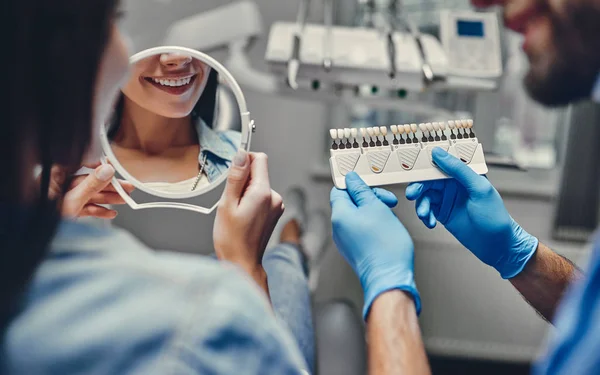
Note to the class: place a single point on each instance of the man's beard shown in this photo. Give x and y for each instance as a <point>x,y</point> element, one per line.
<point>575,61</point>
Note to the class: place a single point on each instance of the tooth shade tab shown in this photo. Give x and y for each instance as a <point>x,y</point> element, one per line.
<point>340,133</point>
<point>413,128</point>
<point>347,132</point>
<point>376,131</point>
<point>436,126</point>
<point>354,132</point>
<point>423,127</point>
<point>401,129</point>
<point>451,125</point>
<point>333,134</point>
<point>370,132</point>
<point>363,132</point>
<point>394,129</point>
<point>408,129</point>
<point>383,130</point>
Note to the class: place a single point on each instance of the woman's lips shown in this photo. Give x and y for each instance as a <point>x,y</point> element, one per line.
<point>173,86</point>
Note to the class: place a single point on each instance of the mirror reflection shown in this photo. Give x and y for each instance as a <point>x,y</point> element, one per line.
<point>176,126</point>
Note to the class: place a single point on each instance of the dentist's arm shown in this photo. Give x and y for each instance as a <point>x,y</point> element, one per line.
<point>473,212</point>
<point>380,250</point>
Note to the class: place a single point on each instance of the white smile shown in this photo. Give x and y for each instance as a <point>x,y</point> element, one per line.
<point>172,82</point>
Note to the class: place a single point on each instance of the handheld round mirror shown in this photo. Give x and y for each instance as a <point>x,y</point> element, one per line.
<point>180,120</point>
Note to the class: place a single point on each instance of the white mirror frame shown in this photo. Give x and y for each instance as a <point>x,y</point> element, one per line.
<point>248,127</point>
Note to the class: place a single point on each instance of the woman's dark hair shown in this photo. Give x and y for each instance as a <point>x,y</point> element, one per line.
<point>204,108</point>
<point>53,52</point>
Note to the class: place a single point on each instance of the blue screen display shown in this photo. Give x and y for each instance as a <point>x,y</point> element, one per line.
<point>470,28</point>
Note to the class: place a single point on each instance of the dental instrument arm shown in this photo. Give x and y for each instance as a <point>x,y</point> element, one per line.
<point>294,63</point>
<point>394,339</point>
<point>544,280</point>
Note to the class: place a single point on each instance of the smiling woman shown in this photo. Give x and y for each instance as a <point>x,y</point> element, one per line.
<point>162,129</point>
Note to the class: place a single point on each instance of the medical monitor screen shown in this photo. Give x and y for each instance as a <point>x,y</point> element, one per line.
<point>470,28</point>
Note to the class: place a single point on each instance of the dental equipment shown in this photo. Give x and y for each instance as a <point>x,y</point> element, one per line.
<point>468,56</point>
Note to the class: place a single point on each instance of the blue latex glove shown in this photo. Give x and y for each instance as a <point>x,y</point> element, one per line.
<point>472,210</point>
<point>373,241</point>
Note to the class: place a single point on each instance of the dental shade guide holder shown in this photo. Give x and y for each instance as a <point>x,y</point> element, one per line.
<point>402,153</point>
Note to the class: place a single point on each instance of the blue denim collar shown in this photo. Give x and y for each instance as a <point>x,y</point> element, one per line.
<point>211,142</point>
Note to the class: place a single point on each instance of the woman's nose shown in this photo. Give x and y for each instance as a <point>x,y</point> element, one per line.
<point>174,60</point>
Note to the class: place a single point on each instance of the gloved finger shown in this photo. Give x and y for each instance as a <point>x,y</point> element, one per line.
<point>414,190</point>
<point>360,192</point>
<point>435,196</point>
<point>386,197</point>
<point>458,170</point>
<point>423,207</point>
<point>432,221</point>
<point>340,199</point>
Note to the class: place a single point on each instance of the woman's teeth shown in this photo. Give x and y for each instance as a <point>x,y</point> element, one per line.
<point>173,82</point>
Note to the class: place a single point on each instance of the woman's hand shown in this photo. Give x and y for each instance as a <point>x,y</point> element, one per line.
<point>247,215</point>
<point>87,193</point>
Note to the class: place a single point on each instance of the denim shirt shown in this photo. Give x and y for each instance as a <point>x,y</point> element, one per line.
<point>218,147</point>
<point>103,303</point>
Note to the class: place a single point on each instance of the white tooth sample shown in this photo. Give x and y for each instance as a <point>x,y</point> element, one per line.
<point>401,129</point>
<point>333,134</point>
<point>408,129</point>
<point>429,126</point>
<point>470,124</point>
<point>436,126</point>
<point>423,127</point>
<point>376,131</point>
<point>458,124</point>
<point>370,131</point>
<point>347,132</point>
<point>394,129</point>
<point>413,127</point>
<point>451,124</point>
<point>354,132</point>
<point>363,132</point>
<point>442,126</point>
<point>383,130</point>
<point>340,133</point>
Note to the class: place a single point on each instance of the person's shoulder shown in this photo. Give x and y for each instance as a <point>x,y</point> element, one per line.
<point>127,309</point>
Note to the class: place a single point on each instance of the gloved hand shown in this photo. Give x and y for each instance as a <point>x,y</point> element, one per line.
<point>472,210</point>
<point>373,240</point>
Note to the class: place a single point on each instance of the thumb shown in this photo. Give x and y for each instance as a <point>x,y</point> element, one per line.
<point>95,182</point>
<point>237,177</point>
<point>458,170</point>
<point>360,192</point>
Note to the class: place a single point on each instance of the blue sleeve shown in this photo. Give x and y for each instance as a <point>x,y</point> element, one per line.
<point>574,344</point>
<point>234,331</point>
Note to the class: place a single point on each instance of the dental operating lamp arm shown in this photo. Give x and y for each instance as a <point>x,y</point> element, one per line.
<point>394,339</point>
<point>544,280</point>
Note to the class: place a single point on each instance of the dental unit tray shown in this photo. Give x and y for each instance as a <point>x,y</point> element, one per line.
<point>405,156</point>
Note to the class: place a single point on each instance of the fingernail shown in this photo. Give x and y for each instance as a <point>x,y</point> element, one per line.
<point>105,172</point>
<point>240,158</point>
